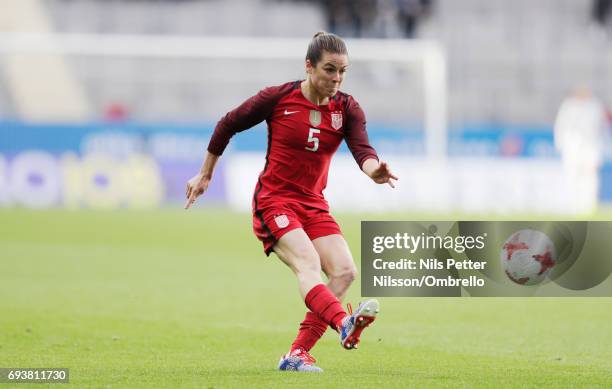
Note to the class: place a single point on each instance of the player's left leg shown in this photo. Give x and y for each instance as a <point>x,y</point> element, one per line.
<point>337,263</point>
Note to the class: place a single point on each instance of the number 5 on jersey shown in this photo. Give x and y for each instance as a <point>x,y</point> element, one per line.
<point>313,139</point>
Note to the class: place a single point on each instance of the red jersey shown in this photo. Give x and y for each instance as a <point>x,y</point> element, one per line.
<point>302,138</point>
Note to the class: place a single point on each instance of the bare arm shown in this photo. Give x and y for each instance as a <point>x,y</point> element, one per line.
<point>379,172</point>
<point>198,184</point>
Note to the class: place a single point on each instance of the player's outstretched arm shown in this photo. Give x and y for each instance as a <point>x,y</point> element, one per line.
<point>198,184</point>
<point>379,172</point>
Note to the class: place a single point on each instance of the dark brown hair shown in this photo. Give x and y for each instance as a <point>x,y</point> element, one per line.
<point>324,41</point>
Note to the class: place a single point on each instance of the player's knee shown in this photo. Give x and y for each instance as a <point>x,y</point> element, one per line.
<point>350,274</point>
<point>346,274</point>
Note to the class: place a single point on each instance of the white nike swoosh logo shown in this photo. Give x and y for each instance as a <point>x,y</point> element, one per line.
<point>290,112</point>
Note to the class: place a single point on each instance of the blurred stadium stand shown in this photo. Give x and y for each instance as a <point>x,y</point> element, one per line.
<point>513,61</point>
<point>510,64</point>
<point>189,17</point>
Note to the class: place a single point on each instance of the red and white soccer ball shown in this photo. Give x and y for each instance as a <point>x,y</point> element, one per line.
<point>528,256</point>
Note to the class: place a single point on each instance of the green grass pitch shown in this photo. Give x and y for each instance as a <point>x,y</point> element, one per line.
<point>172,298</point>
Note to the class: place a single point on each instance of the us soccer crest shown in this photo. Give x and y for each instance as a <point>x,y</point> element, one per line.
<point>336,120</point>
<point>315,118</point>
<point>282,221</point>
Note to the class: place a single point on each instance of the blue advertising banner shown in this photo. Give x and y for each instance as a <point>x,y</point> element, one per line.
<point>108,164</point>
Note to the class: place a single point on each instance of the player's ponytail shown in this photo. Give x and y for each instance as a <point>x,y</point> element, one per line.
<point>324,41</point>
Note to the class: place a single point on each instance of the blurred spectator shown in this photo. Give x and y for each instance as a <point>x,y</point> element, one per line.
<point>409,14</point>
<point>601,11</point>
<point>349,18</point>
<point>375,18</point>
<point>580,131</point>
<point>116,112</point>
<point>511,145</point>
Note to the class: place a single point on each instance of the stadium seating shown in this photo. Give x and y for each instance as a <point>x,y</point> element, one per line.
<point>509,62</point>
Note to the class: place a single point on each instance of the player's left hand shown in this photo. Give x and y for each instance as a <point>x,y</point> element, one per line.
<point>382,175</point>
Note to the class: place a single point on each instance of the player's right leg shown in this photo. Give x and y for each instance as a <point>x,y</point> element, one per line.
<point>296,250</point>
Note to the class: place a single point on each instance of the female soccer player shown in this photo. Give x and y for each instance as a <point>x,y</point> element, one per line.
<point>307,120</point>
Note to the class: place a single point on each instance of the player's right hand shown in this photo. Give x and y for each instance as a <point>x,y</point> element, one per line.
<point>196,186</point>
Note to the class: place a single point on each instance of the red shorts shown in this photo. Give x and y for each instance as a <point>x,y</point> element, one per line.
<point>271,223</point>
